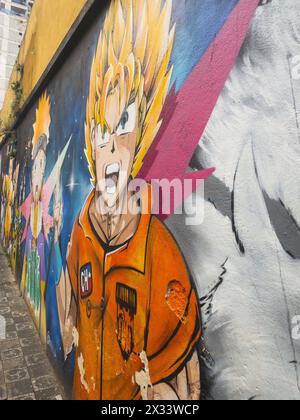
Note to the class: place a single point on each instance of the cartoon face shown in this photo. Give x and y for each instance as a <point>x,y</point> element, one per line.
<point>38,172</point>
<point>114,149</point>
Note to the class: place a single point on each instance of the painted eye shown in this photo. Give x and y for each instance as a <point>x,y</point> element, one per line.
<point>102,138</point>
<point>127,121</point>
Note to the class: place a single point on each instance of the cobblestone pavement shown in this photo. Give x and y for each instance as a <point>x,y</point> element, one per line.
<point>25,372</point>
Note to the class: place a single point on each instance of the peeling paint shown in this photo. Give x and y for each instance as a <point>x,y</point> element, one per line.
<point>82,373</point>
<point>177,299</point>
<point>75,335</point>
<point>142,378</point>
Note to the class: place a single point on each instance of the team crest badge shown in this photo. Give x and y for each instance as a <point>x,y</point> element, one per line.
<point>86,281</point>
<point>127,309</point>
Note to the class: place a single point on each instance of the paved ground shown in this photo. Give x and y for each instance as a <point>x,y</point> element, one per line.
<point>25,372</point>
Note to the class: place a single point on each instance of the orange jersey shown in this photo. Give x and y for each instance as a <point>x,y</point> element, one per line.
<point>133,301</point>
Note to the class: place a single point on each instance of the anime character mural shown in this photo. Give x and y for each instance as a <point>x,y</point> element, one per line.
<point>34,273</point>
<point>9,209</point>
<point>7,206</point>
<point>126,301</point>
<point>16,220</point>
<point>9,187</point>
<point>36,211</point>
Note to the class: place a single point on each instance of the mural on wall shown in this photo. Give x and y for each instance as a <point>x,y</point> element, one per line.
<point>111,292</point>
<point>35,234</point>
<point>114,289</point>
<point>35,210</point>
<point>7,203</point>
<point>10,210</point>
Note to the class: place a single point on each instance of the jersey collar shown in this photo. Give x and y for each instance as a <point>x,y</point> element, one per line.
<point>132,254</point>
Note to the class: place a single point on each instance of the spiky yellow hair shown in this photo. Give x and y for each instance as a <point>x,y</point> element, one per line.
<point>43,119</point>
<point>133,53</point>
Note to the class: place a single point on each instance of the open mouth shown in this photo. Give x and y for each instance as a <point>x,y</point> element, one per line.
<point>112,174</point>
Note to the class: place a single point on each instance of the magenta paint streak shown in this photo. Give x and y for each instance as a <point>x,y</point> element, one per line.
<point>186,114</point>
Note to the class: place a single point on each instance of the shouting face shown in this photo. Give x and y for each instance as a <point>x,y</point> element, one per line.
<point>114,148</point>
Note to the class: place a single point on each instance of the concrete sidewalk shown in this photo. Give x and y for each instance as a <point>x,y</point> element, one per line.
<point>25,372</point>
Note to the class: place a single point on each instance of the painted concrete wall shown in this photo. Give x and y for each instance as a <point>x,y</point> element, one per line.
<point>247,270</point>
<point>164,294</point>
